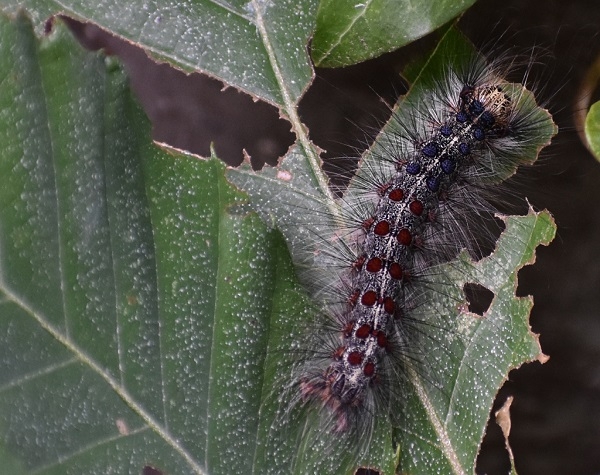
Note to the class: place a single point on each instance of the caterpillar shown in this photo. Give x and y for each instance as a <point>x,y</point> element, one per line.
<point>370,260</point>
<point>474,124</point>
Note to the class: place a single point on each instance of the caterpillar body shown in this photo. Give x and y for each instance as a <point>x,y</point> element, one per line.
<point>406,213</point>
<point>371,323</point>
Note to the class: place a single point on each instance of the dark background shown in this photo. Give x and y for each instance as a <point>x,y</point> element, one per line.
<point>556,411</point>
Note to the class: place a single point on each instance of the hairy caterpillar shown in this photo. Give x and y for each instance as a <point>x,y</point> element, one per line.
<point>466,129</point>
<point>380,251</point>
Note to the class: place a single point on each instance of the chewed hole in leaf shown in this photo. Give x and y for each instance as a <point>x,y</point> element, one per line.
<point>366,471</point>
<point>191,111</point>
<point>148,470</point>
<point>479,298</point>
<point>344,109</point>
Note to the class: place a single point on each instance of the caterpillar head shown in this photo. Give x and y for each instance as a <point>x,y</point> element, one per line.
<point>488,106</point>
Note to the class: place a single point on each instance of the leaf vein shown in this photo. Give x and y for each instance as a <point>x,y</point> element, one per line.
<point>342,34</point>
<point>290,108</point>
<point>37,374</point>
<point>65,458</point>
<point>106,376</point>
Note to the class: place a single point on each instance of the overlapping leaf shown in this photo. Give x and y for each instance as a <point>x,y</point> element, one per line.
<point>257,46</point>
<point>349,32</point>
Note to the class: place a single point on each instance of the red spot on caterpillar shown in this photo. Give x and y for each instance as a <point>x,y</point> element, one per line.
<point>395,271</point>
<point>354,358</point>
<point>369,298</point>
<point>389,305</point>
<point>374,265</point>
<point>404,236</point>
<point>382,228</point>
<point>369,369</point>
<point>381,338</point>
<point>396,194</point>
<point>416,208</point>
<point>363,331</point>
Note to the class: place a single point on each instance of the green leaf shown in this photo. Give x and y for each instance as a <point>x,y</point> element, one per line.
<point>137,290</point>
<point>592,129</point>
<point>349,32</point>
<point>256,46</point>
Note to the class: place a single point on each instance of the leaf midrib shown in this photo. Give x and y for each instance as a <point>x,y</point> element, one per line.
<point>211,354</point>
<point>291,110</point>
<point>444,438</point>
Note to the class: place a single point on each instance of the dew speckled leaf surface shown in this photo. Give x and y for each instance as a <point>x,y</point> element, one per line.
<point>351,31</point>
<point>137,289</point>
<point>258,46</point>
